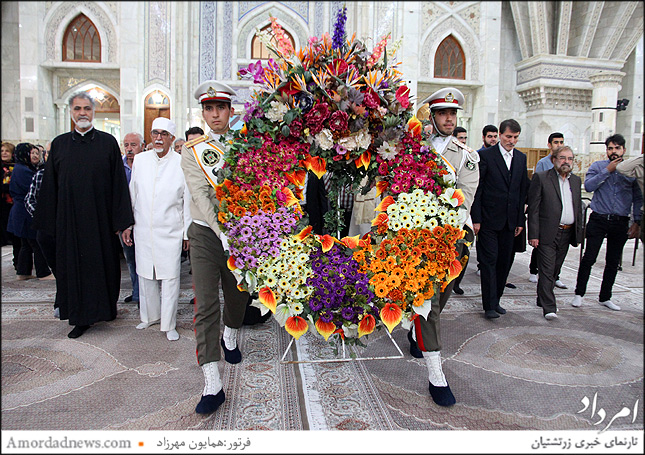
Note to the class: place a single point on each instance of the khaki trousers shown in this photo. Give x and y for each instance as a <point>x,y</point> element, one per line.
<point>208,263</point>
<point>428,331</point>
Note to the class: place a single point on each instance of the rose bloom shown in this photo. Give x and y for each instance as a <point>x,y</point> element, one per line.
<point>338,121</point>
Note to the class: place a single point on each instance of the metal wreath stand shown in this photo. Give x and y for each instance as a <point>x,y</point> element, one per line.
<point>344,358</point>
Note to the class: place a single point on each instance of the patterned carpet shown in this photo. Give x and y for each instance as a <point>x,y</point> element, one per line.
<point>518,372</point>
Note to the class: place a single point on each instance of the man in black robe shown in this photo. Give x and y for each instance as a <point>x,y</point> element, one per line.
<point>84,203</point>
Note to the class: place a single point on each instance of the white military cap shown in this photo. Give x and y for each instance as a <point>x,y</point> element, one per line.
<point>446,98</point>
<point>214,91</point>
<point>162,123</point>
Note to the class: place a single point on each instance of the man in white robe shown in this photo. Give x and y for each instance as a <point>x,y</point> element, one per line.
<point>161,206</point>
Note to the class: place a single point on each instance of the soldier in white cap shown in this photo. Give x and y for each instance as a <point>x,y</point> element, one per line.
<point>201,158</point>
<point>160,202</point>
<point>461,161</point>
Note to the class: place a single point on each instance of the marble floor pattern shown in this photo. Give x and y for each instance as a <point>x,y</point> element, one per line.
<point>518,372</point>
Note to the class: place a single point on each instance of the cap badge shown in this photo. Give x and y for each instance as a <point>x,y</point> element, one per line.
<point>449,97</point>
<point>211,91</point>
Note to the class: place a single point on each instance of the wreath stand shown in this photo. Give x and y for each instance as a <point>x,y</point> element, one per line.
<point>344,358</point>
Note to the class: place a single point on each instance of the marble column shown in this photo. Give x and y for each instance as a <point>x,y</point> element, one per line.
<point>606,85</point>
<point>62,124</point>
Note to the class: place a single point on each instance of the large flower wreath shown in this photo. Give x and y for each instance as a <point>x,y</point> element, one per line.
<point>335,107</point>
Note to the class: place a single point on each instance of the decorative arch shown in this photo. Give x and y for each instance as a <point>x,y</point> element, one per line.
<point>449,60</point>
<point>153,109</point>
<point>86,85</point>
<point>464,36</point>
<point>289,20</point>
<point>81,41</point>
<point>60,16</point>
<point>259,50</point>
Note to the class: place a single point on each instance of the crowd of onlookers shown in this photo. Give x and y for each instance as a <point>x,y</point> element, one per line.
<point>20,164</point>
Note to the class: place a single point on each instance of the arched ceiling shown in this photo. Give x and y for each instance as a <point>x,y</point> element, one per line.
<point>591,29</point>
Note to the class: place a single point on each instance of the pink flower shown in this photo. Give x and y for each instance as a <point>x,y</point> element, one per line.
<point>338,121</point>
<point>370,99</point>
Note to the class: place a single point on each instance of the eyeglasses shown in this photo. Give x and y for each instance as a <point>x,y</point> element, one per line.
<point>154,133</point>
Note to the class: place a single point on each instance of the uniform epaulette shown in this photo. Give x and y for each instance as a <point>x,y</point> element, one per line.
<point>196,141</point>
<point>471,154</point>
<point>460,144</point>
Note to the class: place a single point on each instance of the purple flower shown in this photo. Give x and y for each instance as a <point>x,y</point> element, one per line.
<point>339,28</point>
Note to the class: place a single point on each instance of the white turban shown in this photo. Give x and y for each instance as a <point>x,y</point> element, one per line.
<point>162,123</point>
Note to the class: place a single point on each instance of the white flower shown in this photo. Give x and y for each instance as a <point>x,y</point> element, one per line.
<point>325,140</point>
<point>364,139</point>
<point>277,111</point>
<point>348,142</point>
<point>387,152</point>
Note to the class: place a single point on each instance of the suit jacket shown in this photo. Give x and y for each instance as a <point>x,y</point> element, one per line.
<point>501,194</point>
<point>545,207</point>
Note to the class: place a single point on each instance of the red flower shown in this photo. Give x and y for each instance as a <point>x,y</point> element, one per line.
<point>371,99</point>
<point>337,67</point>
<point>338,121</point>
<point>317,114</point>
<point>295,128</point>
<point>403,96</point>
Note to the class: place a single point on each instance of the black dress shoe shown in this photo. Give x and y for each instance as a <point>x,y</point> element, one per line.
<point>414,348</point>
<point>192,301</point>
<point>77,331</point>
<point>209,403</point>
<point>441,395</point>
<point>538,304</point>
<point>457,290</point>
<point>491,314</point>
<point>128,299</point>
<point>510,286</point>
<point>500,310</point>
<point>231,355</point>
<point>253,316</point>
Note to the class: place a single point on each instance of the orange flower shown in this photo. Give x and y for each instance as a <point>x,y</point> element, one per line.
<point>366,326</point>
<point>385,203</point>
<point>418,300</point>
<point>267,298</point>
<point>381,290</point>
<point>239,211</point>
<point>391,315</point>
<point>325,328</point>
<point>296,326</point>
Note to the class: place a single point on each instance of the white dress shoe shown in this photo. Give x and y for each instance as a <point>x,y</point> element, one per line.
<point>533,278</point>
<point>560,284</point>
<point>611,305</point>
<point>145,325</point>
<point>172,335</point>
<point>577,301</point>
<point>550,316</point>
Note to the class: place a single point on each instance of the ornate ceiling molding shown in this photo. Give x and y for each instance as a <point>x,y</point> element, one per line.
<point>564,27</point>
<point>590,27</point>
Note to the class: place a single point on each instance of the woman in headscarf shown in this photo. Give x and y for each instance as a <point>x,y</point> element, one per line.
<point>20,220</point>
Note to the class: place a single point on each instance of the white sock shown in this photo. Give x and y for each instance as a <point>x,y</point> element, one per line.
<point>435,372</point>
<point>211,378</point>
<point>230,338</point>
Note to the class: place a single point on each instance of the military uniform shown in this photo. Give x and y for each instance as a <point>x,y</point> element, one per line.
<point>200,159</point>
<point>462,163</point>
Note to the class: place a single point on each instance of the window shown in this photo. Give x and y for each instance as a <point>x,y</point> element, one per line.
<point>449,61</point>
<point>81,42</point>
<point>260,51</point>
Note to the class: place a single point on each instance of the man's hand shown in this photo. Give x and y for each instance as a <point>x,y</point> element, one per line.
<point>127,237</point>
<point>185,245</point>
<point>476,227</point>
<point>611,167</point>
<point>518,230</point>
<point>534,242</point>
<point>633,231</point>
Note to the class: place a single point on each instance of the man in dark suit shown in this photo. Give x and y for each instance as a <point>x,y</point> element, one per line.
<point>555,222</point>
<point>498,212</point>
